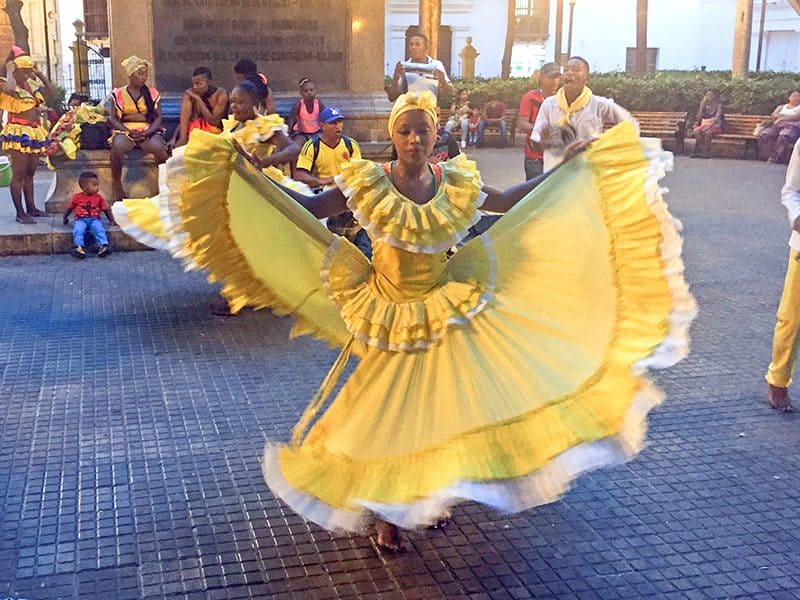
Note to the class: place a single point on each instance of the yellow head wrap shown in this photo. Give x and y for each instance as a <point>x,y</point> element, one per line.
<point>424,101</point>
<point>24,62</point>
<point>134,63</point>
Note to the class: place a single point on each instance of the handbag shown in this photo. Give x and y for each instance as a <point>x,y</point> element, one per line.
<point>94,136</point>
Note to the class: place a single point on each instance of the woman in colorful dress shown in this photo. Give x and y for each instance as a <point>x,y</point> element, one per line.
<point>24,137</point>
<point>496,376</point>
<point>134,112</point>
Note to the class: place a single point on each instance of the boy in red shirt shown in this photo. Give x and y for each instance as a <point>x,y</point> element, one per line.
<point>88,204</point>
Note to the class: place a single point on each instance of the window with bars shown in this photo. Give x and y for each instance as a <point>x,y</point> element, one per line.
<point>533,18</point>
<point>95,15</point>
<point>524,8</point>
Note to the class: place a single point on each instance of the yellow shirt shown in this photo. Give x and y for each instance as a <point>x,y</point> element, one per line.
<point>329,160</point>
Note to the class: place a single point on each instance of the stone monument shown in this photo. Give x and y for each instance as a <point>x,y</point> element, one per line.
<point>337,43</point>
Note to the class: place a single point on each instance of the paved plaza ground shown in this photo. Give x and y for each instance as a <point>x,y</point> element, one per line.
<point>132,424</point>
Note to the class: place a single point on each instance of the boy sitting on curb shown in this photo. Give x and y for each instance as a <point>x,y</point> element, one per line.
<point>88,204</point>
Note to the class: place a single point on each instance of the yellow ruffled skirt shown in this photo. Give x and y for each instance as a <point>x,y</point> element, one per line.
<point>157,222</point>
<point>582,292</point>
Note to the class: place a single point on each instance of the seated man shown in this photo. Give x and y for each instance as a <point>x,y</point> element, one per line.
<point>322,156</point>
<point>134,114</point>
<point>203,106</point>
<point>494,114</point>
<point>320,160</point>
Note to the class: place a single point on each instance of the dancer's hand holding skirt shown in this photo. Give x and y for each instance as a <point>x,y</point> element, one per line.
<point>498,375</point>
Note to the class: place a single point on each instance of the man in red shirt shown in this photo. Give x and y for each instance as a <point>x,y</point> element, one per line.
<point>88,204</point>
<point>549,81</point>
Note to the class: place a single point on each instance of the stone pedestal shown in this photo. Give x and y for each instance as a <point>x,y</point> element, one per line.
<point>139,177</point>
<point>337,43</point>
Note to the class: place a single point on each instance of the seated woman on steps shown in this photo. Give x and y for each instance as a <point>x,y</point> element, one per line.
<point>134,113</point>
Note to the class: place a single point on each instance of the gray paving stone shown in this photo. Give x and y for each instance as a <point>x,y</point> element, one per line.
<point>133,423</point>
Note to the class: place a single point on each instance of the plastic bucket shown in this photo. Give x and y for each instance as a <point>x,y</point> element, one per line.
<point>5,172</point>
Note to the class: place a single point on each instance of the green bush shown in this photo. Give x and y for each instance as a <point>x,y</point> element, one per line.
<point>659,91</point>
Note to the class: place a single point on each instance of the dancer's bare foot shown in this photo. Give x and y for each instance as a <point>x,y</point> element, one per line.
<point>25,220</point>
<point>441,521</point>
<point>390,537</point>
<point>35,212</point>
<point>778,398</point>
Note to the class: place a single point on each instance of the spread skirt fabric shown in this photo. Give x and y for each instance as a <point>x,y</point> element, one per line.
<point>536,345</point>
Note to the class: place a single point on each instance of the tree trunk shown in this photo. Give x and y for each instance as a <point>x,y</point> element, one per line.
<point>641,37</point>
<point>743,28</point>
<point>505,70</point>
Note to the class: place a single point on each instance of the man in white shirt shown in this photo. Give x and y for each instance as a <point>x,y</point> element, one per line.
<point>786,340</point>
<point>419,73</point>
<point>574,113</point>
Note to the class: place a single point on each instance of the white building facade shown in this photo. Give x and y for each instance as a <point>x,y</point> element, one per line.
<point>682,34</point>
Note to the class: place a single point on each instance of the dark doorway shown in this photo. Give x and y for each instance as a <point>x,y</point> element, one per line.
<point>445,51</point>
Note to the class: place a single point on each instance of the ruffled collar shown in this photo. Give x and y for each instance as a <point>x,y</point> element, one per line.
<point>255,131</point>
<point>391,218</point>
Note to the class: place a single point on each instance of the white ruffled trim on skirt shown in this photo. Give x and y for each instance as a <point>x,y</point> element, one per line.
<point>506,496</point>
<point>675,346</point>
<point>133,230</point>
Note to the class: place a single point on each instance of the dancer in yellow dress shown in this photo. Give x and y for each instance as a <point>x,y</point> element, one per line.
<point>148,221</point>
<point>496,376</point>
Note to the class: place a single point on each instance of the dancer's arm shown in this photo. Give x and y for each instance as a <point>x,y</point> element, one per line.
<point>286,151</point>
<point>326,204</point>
<point>501,201</point>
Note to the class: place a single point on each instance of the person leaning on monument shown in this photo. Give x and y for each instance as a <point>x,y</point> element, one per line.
<point>419,73</point>
<point>134,113</point>
<point>549,78</point>
<point>574,113</point>
<point>203,106</point>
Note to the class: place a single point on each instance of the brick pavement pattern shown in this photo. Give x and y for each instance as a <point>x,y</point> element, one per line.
<point>133,422</point>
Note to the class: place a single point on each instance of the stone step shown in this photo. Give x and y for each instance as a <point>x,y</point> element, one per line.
<point>50,236</point>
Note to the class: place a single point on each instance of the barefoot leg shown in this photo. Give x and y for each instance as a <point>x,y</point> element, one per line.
<point>27,188</point>
<point>19,166</point>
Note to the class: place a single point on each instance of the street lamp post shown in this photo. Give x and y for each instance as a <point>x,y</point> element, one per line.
<point>569,33</point>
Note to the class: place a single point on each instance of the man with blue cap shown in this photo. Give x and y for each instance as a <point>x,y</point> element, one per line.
<point>321,159</point>
<point>322,156</point>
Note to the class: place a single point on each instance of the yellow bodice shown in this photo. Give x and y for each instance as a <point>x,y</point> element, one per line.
<point>403,276</point>
<point>411,293</point>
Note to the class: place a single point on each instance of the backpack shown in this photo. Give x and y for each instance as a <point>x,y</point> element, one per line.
<point>316,141</point>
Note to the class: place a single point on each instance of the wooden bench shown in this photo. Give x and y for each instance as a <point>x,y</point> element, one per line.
<point>510,119</point>
<point>737,139</point>
<point>663,125</point>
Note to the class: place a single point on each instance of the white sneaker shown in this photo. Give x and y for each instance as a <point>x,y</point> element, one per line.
<point>463,143</point>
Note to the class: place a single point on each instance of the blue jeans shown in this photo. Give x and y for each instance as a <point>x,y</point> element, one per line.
<point>533,167</point>
<point>503,130</point>
<point>94,225</point>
